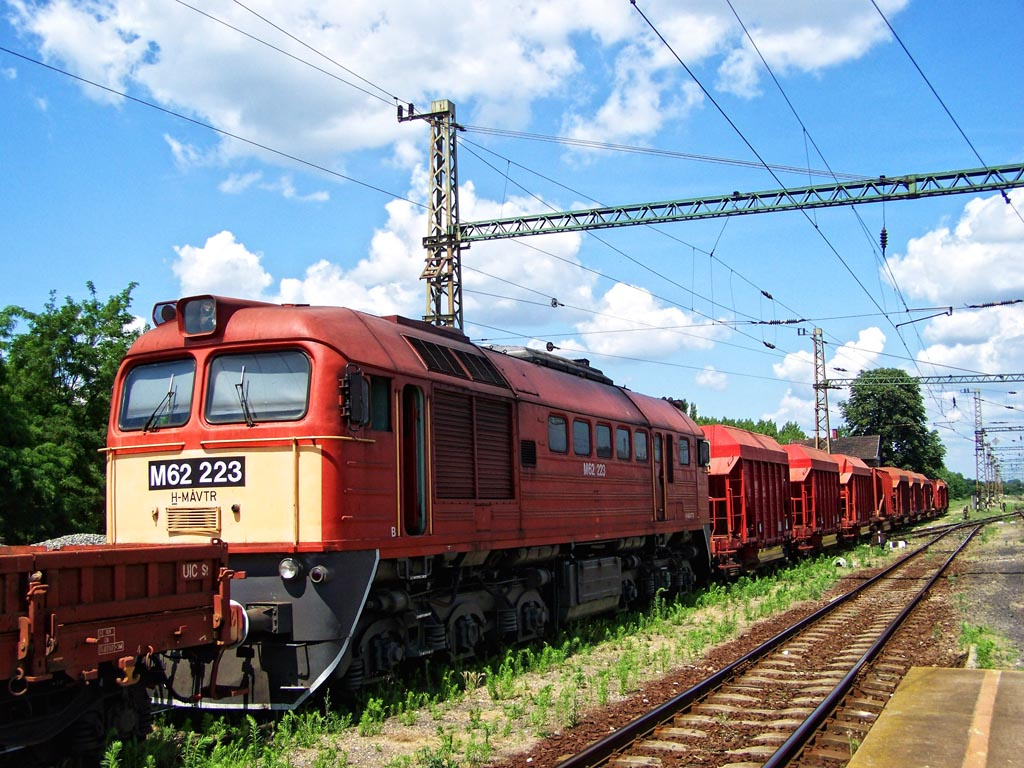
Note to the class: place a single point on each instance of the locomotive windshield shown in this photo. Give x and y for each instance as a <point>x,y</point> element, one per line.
<point>258,386</point>
<point>157,395</point>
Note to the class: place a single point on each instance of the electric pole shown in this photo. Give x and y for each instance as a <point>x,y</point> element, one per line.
<point>443,270</point>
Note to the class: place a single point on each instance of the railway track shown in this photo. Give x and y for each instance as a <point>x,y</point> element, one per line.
<point>809,694</point>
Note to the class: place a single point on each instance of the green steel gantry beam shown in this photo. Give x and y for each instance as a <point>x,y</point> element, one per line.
<point>884,188</point>
<point>992,378</point>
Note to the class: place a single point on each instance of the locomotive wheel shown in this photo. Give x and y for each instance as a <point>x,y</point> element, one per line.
<point>129,714</point>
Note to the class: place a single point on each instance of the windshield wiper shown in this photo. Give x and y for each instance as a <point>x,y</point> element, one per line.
<point>168,400</point>
<point>243,399</point>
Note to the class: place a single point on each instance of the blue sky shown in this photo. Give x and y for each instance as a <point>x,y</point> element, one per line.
<point>100,188</point>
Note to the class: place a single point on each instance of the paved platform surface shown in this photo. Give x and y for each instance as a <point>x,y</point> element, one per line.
<point>949,718</point>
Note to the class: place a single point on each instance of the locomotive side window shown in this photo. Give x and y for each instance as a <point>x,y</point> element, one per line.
<point>622,445</point>
<point>603,439</point>
<point>558,440</point>
<point>258,386</point>
<point>684,451</point>
<point>581,437</point>
<point>380,403</point>
<point>157,395</point>
<point>704,453</point>
<point>640,445</point>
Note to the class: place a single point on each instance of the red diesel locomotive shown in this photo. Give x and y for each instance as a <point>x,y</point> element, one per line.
<point>391,490</point>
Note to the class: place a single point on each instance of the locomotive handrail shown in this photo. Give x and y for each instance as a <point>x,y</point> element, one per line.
<point>286,439</point>
<point>141,448</point>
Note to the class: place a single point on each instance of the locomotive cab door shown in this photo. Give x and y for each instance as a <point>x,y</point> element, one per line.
<point>659,477</point>
<point>413,471</point>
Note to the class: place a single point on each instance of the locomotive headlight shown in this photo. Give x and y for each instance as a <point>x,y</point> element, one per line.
<point>199,315</point>
<point>289,568</point>
<point>320,574</point>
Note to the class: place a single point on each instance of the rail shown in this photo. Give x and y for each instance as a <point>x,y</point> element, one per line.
<point>795,743</point>
<point>600,752</point>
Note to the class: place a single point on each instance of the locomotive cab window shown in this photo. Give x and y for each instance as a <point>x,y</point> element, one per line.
<point>380,403</point>
<point>258,386</point>
<point>157,395</point>
<point>622,443</point>
<point>684,451</point>
<point>640,445</point>
<point>704,453</point>
<point>581,438</point>
<point>603,439</point>
<point>558,440</point>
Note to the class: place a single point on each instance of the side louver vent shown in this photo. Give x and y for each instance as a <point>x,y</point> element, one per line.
<point>457,362</point>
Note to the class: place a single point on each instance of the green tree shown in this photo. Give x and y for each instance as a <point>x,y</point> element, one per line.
<point>58,368</point>
<point>887,402</point>
<point>790,432</point>
<point>959,486</point>
<point>684,405</point>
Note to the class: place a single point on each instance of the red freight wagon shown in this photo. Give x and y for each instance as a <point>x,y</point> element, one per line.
<point>81,625</point>
<point>941,497</point>
<point>918,507</point>
<point>747,492</point>
<point>856,495</point>
<point>893,486</point>
<point>929,496</point>
<point>813,497</point>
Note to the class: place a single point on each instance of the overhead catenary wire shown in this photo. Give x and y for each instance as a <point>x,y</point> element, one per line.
<point>311,48</point>
<point>935,93</point>
<point>807,136</point>
<point>656,152</point>
<point>665,363</point>
<point>388,100</point>
<point>390,96</point>
<point>210,127</point>
<point>753,150</point>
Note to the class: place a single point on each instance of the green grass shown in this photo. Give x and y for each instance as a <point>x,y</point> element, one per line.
<point>990,648</point>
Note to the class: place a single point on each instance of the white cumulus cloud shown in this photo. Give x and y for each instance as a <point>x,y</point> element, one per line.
<point>712,379</point>
<point>975,262</point>
<point>221,265</point>
<point>499,63</point>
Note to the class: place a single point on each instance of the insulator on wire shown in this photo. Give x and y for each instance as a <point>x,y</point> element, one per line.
<point>883,239</point>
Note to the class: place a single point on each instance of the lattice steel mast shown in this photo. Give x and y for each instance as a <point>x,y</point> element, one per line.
<point>443,270</point>
<point>820,396</point>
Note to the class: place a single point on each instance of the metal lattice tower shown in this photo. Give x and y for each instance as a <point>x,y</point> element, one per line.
<point>443,270</point>
<point>979,448</point>
<point>820,395</point>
